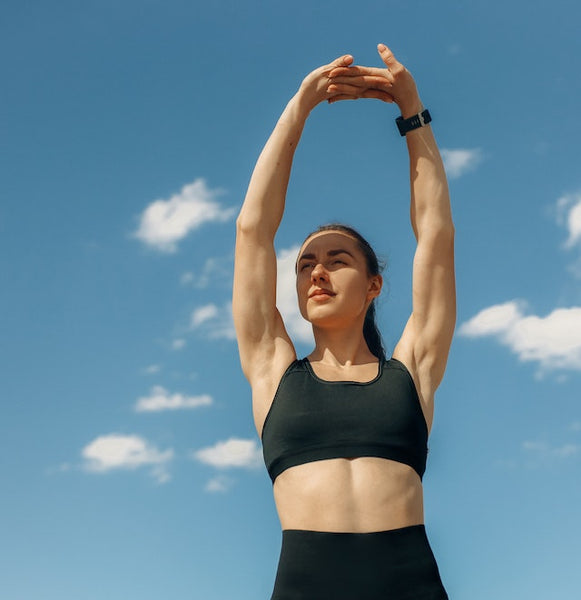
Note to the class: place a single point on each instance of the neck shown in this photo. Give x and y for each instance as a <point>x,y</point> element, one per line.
<point>340,347</point>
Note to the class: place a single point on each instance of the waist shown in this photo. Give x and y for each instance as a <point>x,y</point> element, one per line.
<point>349,495</point>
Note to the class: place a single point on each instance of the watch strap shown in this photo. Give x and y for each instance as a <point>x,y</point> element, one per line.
<point>414,122</point>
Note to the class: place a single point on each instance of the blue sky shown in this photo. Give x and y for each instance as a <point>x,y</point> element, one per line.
<point>129,130</point>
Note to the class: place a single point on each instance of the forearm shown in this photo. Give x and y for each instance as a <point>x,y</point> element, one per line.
<point>264,203</point>
<point>430,208</point>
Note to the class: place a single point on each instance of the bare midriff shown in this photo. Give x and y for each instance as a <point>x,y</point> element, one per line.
<point>357,495</point>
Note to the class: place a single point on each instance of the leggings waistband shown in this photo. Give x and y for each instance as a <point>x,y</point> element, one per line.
<point>396,564</point>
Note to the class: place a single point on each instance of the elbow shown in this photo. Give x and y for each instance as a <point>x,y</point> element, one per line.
<point>437,231</point>
<point>245,223</point>
<point>253,228</point>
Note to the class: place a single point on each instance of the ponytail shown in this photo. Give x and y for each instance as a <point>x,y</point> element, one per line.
<point>372,334</point>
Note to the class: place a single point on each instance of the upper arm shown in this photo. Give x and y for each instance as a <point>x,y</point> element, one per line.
<point>262,337</point>
<point>426,340</point>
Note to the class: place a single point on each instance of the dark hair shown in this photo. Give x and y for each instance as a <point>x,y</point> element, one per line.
<point>371,332</point>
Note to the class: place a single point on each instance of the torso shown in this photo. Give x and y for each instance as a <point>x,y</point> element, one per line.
<point>359,494</point>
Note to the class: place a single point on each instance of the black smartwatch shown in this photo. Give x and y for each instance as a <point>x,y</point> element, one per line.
<point>419,120</point>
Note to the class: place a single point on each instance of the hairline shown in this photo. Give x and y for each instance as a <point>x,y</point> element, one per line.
<point>317,234</point>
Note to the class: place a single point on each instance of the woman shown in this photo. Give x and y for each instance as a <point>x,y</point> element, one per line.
<point>345,441</point>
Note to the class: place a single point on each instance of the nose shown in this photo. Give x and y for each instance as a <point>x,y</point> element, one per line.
<point>319,273</point>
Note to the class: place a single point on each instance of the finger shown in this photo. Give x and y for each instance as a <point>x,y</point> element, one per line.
<point>343,88</point>
<point>366,81</point>
<point>342,61</point>
<point>379,95</point>
<point>387,56</point>
<point>376,94</point>
<point>342,97</point>
<point>355,71</point>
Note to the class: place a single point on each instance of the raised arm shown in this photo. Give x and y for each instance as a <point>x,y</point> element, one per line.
<point>426,340</point>
<point>262,338</point>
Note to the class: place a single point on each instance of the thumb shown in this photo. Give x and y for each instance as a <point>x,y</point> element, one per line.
<point>386,55</point>
<point>342,61</point>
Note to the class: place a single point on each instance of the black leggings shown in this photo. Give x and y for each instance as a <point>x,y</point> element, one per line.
<point>385,565</point>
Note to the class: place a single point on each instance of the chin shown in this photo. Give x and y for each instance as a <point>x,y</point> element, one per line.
<point>318,317</point>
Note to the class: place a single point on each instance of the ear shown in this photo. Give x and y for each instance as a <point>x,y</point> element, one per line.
<point>375,285</point>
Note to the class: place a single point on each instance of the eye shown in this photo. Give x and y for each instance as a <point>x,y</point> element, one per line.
<point>306,266</point>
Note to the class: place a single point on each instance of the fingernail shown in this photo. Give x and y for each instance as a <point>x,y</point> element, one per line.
<point>381,47</point>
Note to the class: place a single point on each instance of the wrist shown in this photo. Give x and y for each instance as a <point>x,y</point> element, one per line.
<point>413,123</point>
<point>411,108</point>
<point>297,110</point>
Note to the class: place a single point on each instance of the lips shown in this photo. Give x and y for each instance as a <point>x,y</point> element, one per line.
<point>321,292</point>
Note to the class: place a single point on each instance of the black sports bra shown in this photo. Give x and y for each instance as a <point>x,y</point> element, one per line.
<point>312,419</point>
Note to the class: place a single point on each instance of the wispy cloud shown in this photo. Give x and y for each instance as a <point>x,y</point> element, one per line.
<point>569,215</point>
<point>286,296</point>
<point>220,483</point>
<point>187,278</point>
<point>203,314</point>
<point>164,223</point>
<point>546,451</point>
<point>460,160</point>
<point>126,452</point>
<point>214,321</point>
<point>216,270</point>
<point>151,370</point>
<point>454,49</point>
<point>235,452</point>
<point>541,453</point>
<point>554,341</point>
<point>160,399</point>
<point>178,344</point>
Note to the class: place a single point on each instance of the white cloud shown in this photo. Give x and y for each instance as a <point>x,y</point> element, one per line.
<point>219,483</point>
<point>569,215</point>
<point>460,160</point>
<point>493,320</point>
<point>203,314</point>
<point>160,399</point>
<point>234,452</point>
<point>166,222</point>
<point>553,341</point>
<point>151,370</point>
<point>126,452</point>
<point>286,297</point>
<point>216,322</point>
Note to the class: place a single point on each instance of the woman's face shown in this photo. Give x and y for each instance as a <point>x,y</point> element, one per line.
<point>333,285</point>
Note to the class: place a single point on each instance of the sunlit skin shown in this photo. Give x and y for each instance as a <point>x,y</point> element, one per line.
<point>334,289</point>
<point>325,495</point>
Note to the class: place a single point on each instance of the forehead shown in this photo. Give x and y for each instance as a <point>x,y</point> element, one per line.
<point>324,241</point>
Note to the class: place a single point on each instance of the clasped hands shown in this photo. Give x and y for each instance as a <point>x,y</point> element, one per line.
<point>339,80</point>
